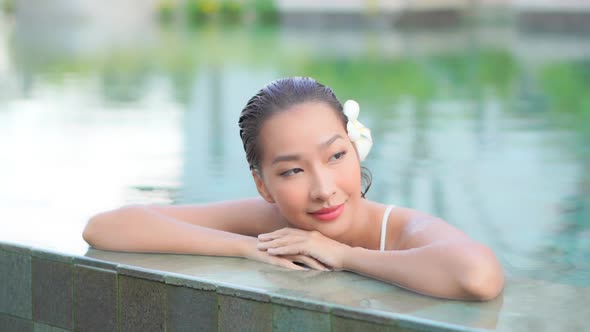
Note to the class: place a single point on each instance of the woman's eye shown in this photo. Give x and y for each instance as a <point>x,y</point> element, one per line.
<point>292,171</point>
<point>338,155</point>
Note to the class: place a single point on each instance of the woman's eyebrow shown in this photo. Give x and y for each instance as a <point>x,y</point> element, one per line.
<point>288,157</point>
<point>296,157</point>
<point>330,141</point>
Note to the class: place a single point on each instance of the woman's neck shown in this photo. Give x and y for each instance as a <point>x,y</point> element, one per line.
<point>366,227</point>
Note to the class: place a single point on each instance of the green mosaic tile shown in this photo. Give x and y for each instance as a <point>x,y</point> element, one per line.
<point>39,327</point>
<point>392,322</point>
<point>15,284</point>
<point>286,319</point>
<point>190,309</point>
<point>238,314</point>
<point>343,324</point>
<point>53,297</point>
<point>11,323</point>
<point>141,304</point>
<point>95,302</point>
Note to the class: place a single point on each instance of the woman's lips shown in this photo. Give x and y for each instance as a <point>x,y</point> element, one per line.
<point>329,213</point>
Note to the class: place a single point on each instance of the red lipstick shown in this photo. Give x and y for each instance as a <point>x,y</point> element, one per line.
<point>329,213</point>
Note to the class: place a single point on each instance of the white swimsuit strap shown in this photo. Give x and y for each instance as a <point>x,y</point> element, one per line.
<point>384,227</point>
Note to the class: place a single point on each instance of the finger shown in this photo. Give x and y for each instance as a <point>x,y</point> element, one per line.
<point>279,242</point>
<point>315,264</point>
<point>311,262</point>
<point>278,233</point>
<point>265,237</point>
<point>294,249</point>
<point>268,236</point>
<point>289,264</point>
<point>271,236</point>
<point>271,243</point>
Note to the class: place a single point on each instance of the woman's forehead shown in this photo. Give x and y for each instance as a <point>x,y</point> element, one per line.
<point>307,122</point>
<point>301,121</point>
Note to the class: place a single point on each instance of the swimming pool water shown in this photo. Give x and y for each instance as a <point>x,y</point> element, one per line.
<point>485,126</point>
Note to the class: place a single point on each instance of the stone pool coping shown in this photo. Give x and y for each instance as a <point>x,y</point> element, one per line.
<point>101,290</point>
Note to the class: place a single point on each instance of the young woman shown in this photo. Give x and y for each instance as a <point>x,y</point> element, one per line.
<point>304,149</point>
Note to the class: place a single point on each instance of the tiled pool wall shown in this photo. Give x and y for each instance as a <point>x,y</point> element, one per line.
<point>42,290</point>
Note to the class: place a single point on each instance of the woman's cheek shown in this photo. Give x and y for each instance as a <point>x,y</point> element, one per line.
<point>289,195</point>
<point>293,202</point>
<point>350,175</point>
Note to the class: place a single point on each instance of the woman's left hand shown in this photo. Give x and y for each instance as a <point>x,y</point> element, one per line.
<point>292,241</point>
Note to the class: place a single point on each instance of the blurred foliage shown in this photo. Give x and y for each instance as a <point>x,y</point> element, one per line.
<point>423,79</point>
<point>380,79</point>
<point>202,9</point>
<point>496,68</point>
<point>199,11</point>
<point>232,9</point>
<point>567,85</point>
<point>367,76</point>
<point>166,9</point>
<point>371,78</point>
<point>266,10</point>
<point>483,68</point>
<point>8,6</point>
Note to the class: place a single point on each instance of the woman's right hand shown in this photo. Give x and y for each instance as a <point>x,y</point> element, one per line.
<point>288,261</point>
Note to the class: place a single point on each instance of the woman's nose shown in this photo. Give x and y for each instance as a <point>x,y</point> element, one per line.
<point>323,187</point>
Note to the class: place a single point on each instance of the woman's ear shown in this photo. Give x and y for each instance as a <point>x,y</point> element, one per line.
<point>262,190</point>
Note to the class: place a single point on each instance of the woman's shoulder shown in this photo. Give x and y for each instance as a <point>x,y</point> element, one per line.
<point>410,228</point>
<point>402,226</point>
<point>390,220</point>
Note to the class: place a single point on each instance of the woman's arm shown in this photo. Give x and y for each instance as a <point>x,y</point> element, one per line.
<point>430,257</point>
<point>217,229</point>
<point>141,229</point>
<point>212,229</point>
<point>452,269</point>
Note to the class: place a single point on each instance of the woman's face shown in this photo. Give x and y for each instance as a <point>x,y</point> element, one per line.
<point>310,168</point>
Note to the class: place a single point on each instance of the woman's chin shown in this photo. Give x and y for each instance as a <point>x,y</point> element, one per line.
<point>335,229</point>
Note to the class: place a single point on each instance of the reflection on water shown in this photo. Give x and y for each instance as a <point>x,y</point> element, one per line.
<point>485,126</point>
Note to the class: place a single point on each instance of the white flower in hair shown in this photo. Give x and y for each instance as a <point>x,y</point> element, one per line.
<point>357,132</point>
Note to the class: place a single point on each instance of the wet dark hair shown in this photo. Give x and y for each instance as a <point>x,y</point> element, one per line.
<point>278,96</point>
